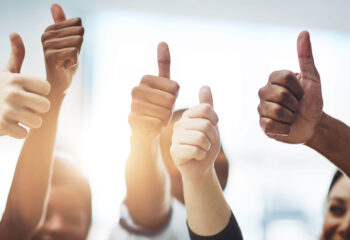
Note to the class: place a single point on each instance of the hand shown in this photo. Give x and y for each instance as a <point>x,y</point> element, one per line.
<point>21,97</point>
<point>196,141</point>
<point>153,100</point>
<point>62,42</point>
<point>291,104</point>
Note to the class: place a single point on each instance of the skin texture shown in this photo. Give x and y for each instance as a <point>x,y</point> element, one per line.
<point>195,146</point>
<point>336,224</point>
<point>146,176</point>
<point>21,97</point>
<point>25,207</point>
<point>221,164</point>
<point>291,106</point>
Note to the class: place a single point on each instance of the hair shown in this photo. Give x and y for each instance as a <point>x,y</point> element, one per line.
<point>338,174</point>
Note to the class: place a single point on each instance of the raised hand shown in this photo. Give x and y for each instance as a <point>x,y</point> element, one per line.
<point>21,97</point>
<point>196,141</point>
<point>153,100</point>
<point>291,104</point>
<point>62,42</point>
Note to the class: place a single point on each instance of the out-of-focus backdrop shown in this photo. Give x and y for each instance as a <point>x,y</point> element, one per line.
<point>231,46</point>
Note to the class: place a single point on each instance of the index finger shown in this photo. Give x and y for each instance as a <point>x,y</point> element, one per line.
<point>288,80</point>
<point>67,23</point>
<point>33,84</point>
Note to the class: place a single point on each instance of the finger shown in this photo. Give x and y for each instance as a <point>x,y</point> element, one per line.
<point>65,42</point>
<point>205,96</point>
<point>270,126</point>
<point>58,14</point>
<point>64,24</point>
<point>202,111</point>
<point>288,80</point>
<point>161,83</point>
<point>17,54</point>
<point>184,153</point>
<point>306,59</point>
<point>64,32</point>
<point>199,124</point>
<point>33,102</point>
<point>25,117</point>
<point>281,95</point>
<point>154,96</point>
<point>276,112</point>
<point>33,84</point>
<point>164,60</point>
<point>151,110</point>
<point>14,130</point>
<point>194,138</point>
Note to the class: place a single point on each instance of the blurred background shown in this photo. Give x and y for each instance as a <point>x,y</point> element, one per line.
<point>231,46</point>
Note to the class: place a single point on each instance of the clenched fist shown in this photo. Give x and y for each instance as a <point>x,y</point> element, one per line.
<point>62,42</point>
<point>153,100</point>
<point>196,141</point>
<point>21,97</point>
<point>291,104</point>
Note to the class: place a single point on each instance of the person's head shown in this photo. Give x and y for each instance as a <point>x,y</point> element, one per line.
<point>68,214</point>
<point>336,224</point>
<point>221,163</point>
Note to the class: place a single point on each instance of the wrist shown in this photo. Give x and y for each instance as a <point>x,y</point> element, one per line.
<point>204,178</point>
<point>318,131</point>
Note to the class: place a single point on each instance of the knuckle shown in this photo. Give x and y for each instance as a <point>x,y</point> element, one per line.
<point>8,112</point>
<point>175,86</point>
<point>201,138</point>
<point>259,108</point>
<point>273,75</point>
<point>283,95</point>
<point>268,125</point>
<point>278,111</point>
<point>206,108</point>
<point>135,92</point>
<point>14,95</point>
<point>145,79</point>
<point>171,100</point>
<point>207,125</point>
<point>261,92</point>
<point>49,55</point>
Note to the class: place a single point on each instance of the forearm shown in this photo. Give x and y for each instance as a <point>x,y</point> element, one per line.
<point>31,181</point>
<point>332,140</point>
<point>148,184</point>
<point>207,210</point>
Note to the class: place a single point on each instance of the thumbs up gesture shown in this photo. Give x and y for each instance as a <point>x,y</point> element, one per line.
<point>196,141</point>
<point>62,42</point>
<point>291,104</point>
<point>153,99</point>
<point>21,97</point>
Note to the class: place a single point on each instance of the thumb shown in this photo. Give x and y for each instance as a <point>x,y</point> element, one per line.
<point>205,96</point>
<point>17,54</point>
<point>164,60</point>
<point>306,60</point>
<point>57,13</point>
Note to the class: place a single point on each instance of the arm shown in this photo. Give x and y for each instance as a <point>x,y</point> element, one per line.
<point>331,139</point>
<point>147,181</point>
<point>21,102</point>
<point>29,191</point>
<point>195,146</point>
